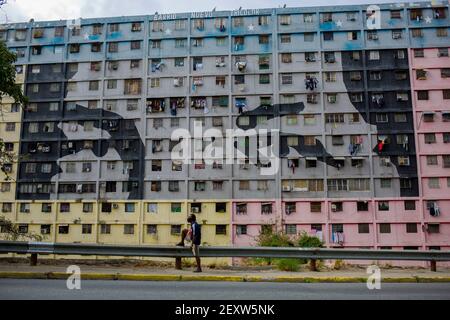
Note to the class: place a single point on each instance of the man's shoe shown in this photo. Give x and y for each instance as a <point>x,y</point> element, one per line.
<point>180,244</point>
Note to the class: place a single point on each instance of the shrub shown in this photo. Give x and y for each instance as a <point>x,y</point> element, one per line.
<point>288,264</point>
<point>307,241</point>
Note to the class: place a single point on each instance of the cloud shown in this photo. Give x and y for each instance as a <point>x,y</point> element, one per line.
<point>44,10</point>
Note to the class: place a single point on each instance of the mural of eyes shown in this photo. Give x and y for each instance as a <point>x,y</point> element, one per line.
<point>386,143</point>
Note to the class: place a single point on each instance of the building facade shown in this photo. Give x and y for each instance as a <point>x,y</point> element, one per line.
<point>353,104</point>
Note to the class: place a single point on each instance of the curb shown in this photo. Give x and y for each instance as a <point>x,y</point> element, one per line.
<point>172,277</point>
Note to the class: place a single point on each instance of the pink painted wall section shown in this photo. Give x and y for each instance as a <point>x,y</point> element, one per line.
<point>430,60</point>
<point>434,84</point>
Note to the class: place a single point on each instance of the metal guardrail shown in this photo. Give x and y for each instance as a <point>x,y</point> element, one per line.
<point>44,248</point>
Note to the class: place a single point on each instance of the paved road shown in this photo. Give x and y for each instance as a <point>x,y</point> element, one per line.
<point>137,290</point>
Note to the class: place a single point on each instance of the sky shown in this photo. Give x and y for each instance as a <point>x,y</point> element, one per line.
<point>44,10</point>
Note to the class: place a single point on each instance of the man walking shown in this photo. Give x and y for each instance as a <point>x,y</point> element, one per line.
<point>196,237</point>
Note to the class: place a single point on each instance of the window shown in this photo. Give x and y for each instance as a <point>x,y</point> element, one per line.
<point>400,117</point>
<point>432,160</point>
<point>308,37</point>
<point>129,207</point>
<point>105,228</point>
<point>430,138</point>
<point>221,41</point>
<point>446,137</point>
<point>285,38</point>
<point>263,39</point>
<point>315,206</point>
<point>446,161</point>
<point>327,17</point>
<point>244,185</point>
<point>241,230</point>
<point>63,229</point>
<point>446,94</point>
<point>113,47</point>
<point>264,78</point>
<point>263,20</point>
<point>221,229</point>
<point>441,32</point>
<point>11,126</point>
<point>336,206</point>
<point>442,52</point>
<point>152,229</point>
<point>433,183</point>
<point>374,55</point>
<point>410,205</point>
<point>86,229</point>
<point>417,33</point>
<point>352,35</point>
<point>422,95</point>
<point>385,227</point>
<point>175,230</point>
<point>397,34</point>
<point>97,29</point>
<point>330,76</point>
<point>175,207</point>
<point>291,229</point>
<point>94,85</point>
<point>375,75</point>
<point>328,36</point>
<point>362,206</point>
<point>64,207</point>
<point>156,44</point>
<point>396,14</point>
<point>411,228</point>
<point>136,27</point>
<point>135,45</point>
<point>286,57</point>
<point>285,20</point>
<point>433,228</point>
<point>383,205</point>
<point>88,207</point>
<point>385,183</point>
<point>180,24</point>
<point>403,161</point>
<point>286,78</point>
<point>128,229</point>
<point>363,228</point>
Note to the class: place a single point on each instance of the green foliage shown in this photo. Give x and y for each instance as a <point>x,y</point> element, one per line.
<point>279,239</point>
<point>11,232</point>
<point>288,264</point>
<point>307,241</point>
<point>8,84</point>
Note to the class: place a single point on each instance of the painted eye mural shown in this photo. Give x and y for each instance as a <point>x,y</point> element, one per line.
<point>76,148</point>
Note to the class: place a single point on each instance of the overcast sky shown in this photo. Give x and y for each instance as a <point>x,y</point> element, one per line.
<point>24,10</point>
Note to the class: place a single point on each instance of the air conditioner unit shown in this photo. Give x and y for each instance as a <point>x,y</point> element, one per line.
<point>115,206</point>
<point>79,188</point>
<point>286,188</point>
<point>333,208</point>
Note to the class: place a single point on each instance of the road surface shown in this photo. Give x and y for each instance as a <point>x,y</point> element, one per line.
<point>138,290</point>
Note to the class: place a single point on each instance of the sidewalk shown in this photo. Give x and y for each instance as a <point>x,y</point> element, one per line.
<point>247,274</point>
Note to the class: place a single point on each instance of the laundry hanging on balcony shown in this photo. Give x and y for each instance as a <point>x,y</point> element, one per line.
<point>337,238</point>
<point>381,142</point>
<point>311,83</point>
<point>241,66</point>
<point>434,210</point>
<point>158,66</point>
<point>378,99</point>
<point>240,104</point>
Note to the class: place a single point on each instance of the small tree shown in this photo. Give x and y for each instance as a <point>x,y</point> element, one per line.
<point>9,87</point>
<point>12,233</point>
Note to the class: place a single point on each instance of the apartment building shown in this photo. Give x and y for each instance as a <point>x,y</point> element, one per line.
<point>340,103</point>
